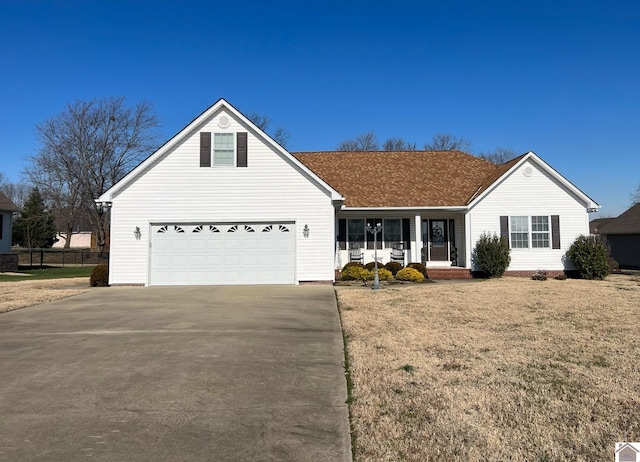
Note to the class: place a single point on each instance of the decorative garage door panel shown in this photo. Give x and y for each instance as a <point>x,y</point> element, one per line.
<point>207,254</point>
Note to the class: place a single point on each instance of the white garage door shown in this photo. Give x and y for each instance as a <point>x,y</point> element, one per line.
<point>211,253</point>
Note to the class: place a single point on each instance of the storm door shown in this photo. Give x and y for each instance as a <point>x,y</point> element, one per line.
<point>438,238</point>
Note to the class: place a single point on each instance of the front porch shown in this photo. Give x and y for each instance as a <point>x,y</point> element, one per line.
<point>436,239</point>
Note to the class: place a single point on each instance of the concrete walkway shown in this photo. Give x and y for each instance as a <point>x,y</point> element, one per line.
<point>175,374</point>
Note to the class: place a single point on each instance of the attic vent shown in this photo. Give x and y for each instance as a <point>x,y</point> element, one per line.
<point>223,122</point>
<point>527,171</point>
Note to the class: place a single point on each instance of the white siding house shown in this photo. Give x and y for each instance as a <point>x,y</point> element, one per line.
<point>8,261</point>
<point>222,203</point>
<point>221,224</point>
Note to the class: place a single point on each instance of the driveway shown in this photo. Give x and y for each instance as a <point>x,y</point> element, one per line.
<point>175,374</point>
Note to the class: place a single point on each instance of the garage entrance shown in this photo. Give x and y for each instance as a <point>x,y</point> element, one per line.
<point>222,253</point>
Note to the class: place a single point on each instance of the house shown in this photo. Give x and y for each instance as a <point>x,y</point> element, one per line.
<point>8,261</point>
<point>623,236</point>
<point>626,452</point>
<point>223,203</point>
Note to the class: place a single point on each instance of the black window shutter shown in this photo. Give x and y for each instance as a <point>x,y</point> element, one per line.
<point>342,233</point>
<point>555,231</point>
<point>504,228</point>
<point>242,149</point>
<point>406,233</point>
<point>205,149</point>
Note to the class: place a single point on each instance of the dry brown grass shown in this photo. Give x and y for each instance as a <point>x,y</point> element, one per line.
<point>508,369</point>
<point>19,294</point>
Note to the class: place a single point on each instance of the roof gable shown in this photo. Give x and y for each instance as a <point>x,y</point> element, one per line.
<point>626,223</point>
<point>189,130</point>
<point>6,205</point>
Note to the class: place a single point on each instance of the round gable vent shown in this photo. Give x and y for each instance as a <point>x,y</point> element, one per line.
<point>224,122</point>
<point>527,171</point>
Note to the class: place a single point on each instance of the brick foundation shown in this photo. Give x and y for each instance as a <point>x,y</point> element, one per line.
<point>448,273</point>
<point>8,263</point>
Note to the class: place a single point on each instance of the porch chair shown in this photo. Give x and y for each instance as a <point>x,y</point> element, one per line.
<point>356,255</point>
<point>397,255</point>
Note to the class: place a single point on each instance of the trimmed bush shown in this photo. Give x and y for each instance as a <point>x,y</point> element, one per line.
<point>372,265</point>
<point>492,255</point>
<point>352,263</point>
<point>409,274</point>
<point>540,276</point>
<point>589,254</point>
<point>384,274</point>
<point>99,276</point>
<point>356,273</point>
<point>420,267</point>
<point>393,266</point>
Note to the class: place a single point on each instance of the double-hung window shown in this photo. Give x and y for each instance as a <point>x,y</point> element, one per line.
<point>539,231</point>
<point>520,232</point>
<point>530,232</point>
<point>223,149</point>
<point>356,233</point>
<point>392,232</point>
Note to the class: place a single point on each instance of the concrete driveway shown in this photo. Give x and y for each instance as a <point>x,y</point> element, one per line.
<point>175,374</point>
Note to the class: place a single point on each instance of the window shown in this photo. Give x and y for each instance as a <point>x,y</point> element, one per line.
<point>356,233</point>
<point>223,149</point>
<point>539,232</point>
<point>534,230</point>
<point>520,232</point>
<point>392,232</point>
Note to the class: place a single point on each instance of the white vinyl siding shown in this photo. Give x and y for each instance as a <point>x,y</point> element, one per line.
<point>176,190</point>
<point>513,197</point>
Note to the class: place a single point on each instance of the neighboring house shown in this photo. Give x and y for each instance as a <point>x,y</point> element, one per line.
<point>623,236</point>
<point>79,240</point>
<point>8,261</point>
<point>222,203</point>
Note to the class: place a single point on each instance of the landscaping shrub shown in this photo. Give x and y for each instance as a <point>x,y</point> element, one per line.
<point>393,266</point>
<point>356,273</point>
<point>589,254</point>
<point>99,276</point>
<point>409,274</point>
<point>613,265</point>
<point>539,276</point>
<point>561,277</point>
<point>492,255</point>
<point>384,274</point>
<point>352,263</point>
<point>372,265</point>
<point>420,267</point>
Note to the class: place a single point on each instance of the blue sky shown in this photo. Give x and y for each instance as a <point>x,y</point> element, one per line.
<point>558,78</point>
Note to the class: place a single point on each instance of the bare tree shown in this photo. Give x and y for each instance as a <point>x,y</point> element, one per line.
<point>448,142</point>
<point>17,192</point>
<point>364,142</point>
<point>398,144</point>
<point>86,149</point>
<point>499,155</point>
<point>280,135</point>
<point>635,196</point>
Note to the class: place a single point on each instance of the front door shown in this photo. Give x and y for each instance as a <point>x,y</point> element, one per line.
<point>439,241</point>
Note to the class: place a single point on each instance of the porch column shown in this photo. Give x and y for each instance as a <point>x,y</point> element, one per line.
<point>417,248</point>
<point>467,240</point>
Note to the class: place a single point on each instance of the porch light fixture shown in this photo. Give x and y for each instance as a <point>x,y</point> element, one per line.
<point>137,233</point>
<point>375,230</point>
<point>305,231</point>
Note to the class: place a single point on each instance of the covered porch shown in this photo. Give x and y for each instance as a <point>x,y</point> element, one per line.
<point>436,238</point>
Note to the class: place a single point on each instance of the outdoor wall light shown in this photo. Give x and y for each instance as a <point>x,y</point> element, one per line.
<point>137,233</point>
<point>305,231</point>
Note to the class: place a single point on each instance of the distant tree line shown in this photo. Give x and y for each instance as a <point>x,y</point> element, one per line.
<point>439,142</point>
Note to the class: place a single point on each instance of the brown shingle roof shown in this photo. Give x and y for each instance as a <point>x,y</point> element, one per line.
<point>626,223</point>
<point>6,205</point>
<point>404,178</point>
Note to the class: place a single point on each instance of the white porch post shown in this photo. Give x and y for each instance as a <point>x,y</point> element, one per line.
<point>467,239</point>
<point>417,248</point>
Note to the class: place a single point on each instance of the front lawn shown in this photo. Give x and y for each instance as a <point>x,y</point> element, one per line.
<point>49,273</point>
<point>506,369</point>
